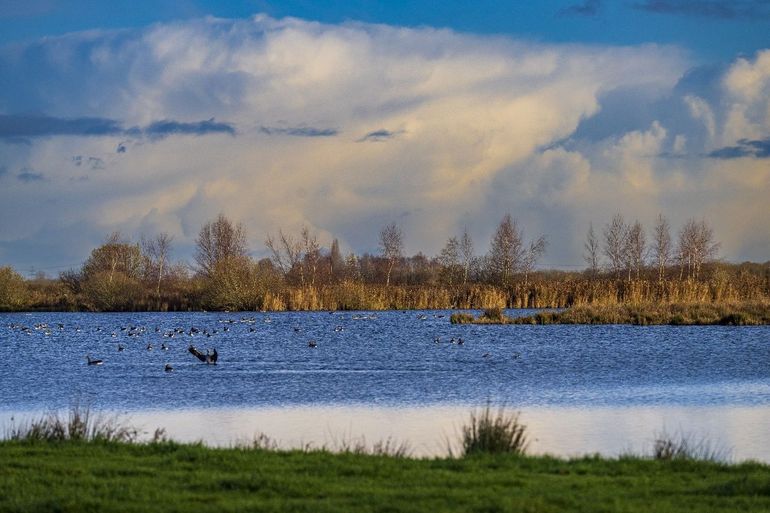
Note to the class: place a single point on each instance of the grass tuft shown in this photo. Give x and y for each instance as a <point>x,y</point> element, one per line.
<point>668,447</point>
<point>80,425</point>
<point>494,433</point>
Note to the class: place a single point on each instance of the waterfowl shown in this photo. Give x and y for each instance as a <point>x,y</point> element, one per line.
<point>164,346</point>
<point>149,347</point>
<point>312,344</point>
<point>209,357</point>
<point>93,362</point>
<point>168,368</point>
<point>121,347</point>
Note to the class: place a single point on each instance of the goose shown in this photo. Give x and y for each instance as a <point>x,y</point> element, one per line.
<point>312,344</point>
<point>93,362</point>
<point>168,368</point>
<point>121,347</point>
<point>149,347</point>
<point>163,346</point>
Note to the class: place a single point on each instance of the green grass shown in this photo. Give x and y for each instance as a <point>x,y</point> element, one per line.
<point>109,476</point>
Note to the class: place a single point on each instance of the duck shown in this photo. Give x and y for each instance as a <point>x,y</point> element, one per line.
<point>168,368</point>
<point>93,362</point>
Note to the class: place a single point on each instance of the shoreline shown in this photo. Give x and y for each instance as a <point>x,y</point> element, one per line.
<point>748,313</point>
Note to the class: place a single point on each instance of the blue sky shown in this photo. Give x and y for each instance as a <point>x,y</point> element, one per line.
<point>150,116</point>
<point>711,29</point>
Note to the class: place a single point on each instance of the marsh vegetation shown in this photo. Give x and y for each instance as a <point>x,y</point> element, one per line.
<point>300,274</point>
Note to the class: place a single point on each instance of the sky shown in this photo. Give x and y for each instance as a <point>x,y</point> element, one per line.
<point>344,116</point>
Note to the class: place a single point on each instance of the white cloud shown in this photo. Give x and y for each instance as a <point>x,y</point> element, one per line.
<point>478,125</point>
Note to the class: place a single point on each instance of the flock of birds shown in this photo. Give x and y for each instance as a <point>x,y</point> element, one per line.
<point>208,356</point>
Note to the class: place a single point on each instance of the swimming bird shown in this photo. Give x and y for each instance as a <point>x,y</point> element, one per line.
<point>149,347</point>
<point>168,368</point>
<point>209,357</point>
<point>312,344</point>
<point>93,362</point>
<point>121,347</point>
<point>164,346</point>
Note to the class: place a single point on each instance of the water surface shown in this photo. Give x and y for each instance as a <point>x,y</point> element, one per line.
<point>400,365</point>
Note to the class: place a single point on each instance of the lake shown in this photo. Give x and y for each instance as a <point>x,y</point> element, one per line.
<point>409,375</point>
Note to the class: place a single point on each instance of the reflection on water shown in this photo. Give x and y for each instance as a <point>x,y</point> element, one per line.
<point>742,432</point>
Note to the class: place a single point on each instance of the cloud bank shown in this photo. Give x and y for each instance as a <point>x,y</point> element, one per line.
<point>466,128</point>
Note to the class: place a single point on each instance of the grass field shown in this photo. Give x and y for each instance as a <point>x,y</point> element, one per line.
<point>123,477</point>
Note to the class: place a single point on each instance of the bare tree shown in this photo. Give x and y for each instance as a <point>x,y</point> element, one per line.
<point>286,253</point>
<point>115,256</point>
<point>591,255</point>
<point>466,253</point>
<point>661,248</point>
<point>157,250</point>
<point>635,249</point>
<point>392,246</point>
<point>218,243</point>
<point>506,253</point>
<point>312,254</point>
<point>449,258</point>
<point>614,243</point>
<point>696,246</point>
<point>536,250</point>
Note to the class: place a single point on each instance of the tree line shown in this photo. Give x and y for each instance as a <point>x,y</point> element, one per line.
<point>301,273</point>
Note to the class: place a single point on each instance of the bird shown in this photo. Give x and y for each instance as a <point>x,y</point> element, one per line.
<point>486,355</point>
<point>209,358</point>
<point>121,347</point>
<point>164,346</point>
<point>149,347</point>
<point>93,362</point>
<point>312,344</point>
<point>168,368</point>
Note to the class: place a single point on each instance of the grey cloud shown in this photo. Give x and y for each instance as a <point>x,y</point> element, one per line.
<point>170,127</point>
<point>380,135</point>
<point>586,8</point>
<point>300,131</point>
<point>744,148</point>
<point>720,9</point>
<point>27,175</point>
<point>18,127</point>
<point>89,162</point>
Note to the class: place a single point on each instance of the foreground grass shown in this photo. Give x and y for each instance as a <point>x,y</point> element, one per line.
<point>111,476</point>
<point>726,314</point>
